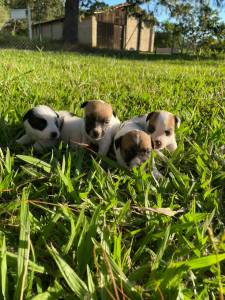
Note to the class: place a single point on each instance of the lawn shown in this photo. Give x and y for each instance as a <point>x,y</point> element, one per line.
<point>74,226</point>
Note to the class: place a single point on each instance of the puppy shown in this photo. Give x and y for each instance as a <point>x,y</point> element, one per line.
<point>98,126</point>
<point>161,126</point>
<point>41,125</point>
<point>72,130</point>
<point>132,146</point>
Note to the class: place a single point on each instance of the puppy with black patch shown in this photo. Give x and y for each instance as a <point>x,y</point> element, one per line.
<point>98,126</point>
<point>132,146</point>
<point>42,128</point>
<point>161,125</point>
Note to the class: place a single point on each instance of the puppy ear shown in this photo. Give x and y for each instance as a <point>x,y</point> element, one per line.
<point>118,142</point>
<point>57,115</point>
<point>84,104</point>
<point>177,121</point>
<point>114,113</point>
<point>28,114</point>
<point>60,123</point>
<point>149,115</point>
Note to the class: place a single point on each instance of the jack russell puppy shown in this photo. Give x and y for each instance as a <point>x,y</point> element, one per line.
<point>98,126</point>
<point>42,128</point>
<point>161,125</point>
<point>132,146</point>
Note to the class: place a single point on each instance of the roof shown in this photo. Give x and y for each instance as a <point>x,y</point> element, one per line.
<point>113,7</point>
<point>61,19</point>
<point>121,5</point>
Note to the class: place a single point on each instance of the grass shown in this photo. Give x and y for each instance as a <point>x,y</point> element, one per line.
<point>74,226</point>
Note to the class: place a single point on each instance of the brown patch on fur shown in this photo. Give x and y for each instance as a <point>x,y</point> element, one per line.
<point>170,121</point>
<point>144,140</point>
<point>129,140</point>
<point>99,109</point>
<point>153,117</point>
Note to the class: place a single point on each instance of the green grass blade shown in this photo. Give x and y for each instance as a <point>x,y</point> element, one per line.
<point>85,244</point>
<point>205,261</point>
<point>73,280</point>
<point>3,265</point>
<point>74,228</point>
<point>35,162</point>
<point>44,296</point>
<point>91,285</point>
<point>13,258</point>
<point>162,249</point>
<point>24,247</point>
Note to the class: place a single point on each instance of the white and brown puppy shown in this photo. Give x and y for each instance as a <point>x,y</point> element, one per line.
<point>42,128</point>
<point>98,126</point>
<point>161,125</point>
<point>132,145</point>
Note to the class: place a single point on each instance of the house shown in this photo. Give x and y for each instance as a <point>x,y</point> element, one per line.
<point>114,28</point>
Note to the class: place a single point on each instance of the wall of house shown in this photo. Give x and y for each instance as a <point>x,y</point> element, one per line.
<point>94,31</point>
<point>145,37</point>
<point>131,34</point>
<point>57,31</point>
<point>52,31</point>
<point>47,31</point>
<point>85,31</point>
<point>152,40</point>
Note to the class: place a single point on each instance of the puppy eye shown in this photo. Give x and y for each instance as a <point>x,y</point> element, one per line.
<point>151,128</point>
<point>167,132</point>
<point>106,121</point>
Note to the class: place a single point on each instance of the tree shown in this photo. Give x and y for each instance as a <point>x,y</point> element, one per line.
<point>72,13</point>
<point>42,10</point>
<point>3,15</point>
<point>208,20</point>
<point>70,26</point>
<point>46,9</point>
<point>193,25</point>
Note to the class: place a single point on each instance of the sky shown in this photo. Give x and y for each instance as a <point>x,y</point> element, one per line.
<point>161,13</point>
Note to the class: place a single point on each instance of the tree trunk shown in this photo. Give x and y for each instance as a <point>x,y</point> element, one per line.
<point>70,26</point>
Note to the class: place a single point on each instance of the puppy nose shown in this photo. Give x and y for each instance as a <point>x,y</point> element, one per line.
<point>54,134</point>
<point>158,144</point>
<point>95,133</point>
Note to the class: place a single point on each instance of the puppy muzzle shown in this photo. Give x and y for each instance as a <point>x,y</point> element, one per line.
<point>54,135</point>
<point>96,134</point>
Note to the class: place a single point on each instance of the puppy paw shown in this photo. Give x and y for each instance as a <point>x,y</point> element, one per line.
<point>172,147</point>
<point>24,140</point>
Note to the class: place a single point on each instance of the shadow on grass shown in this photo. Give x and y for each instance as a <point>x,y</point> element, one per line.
<point>22,43</point>
<point>9,133</point>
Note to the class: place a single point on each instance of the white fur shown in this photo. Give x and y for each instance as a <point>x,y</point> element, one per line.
<point>105,142</point>
<point>167,142</point>
<point>126,127</point>
<point>41,138</point>
<point>73,130</point>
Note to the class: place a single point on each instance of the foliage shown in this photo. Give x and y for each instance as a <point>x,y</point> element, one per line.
<point>41,10</point>
<point>74,226</point>
<point>3,15</point>
<point>194,27</point>
<point>14,27</point>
